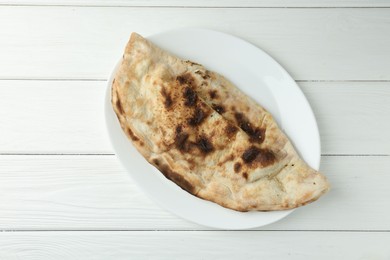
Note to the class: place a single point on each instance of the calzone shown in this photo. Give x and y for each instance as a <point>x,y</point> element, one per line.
<point>207,136</point>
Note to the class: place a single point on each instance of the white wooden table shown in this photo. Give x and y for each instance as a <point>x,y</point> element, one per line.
<point>63,194</point>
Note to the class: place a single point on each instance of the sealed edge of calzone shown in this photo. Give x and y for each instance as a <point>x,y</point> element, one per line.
<point>207,136</point>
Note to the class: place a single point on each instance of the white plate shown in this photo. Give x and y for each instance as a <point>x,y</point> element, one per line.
<point>260,77</point>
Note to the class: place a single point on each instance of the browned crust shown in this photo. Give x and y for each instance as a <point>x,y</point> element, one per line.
<point>267,146</point>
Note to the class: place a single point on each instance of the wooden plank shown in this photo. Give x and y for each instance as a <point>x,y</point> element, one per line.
<point>67,116</point>
<point>86,42</point>
<point>351,117</point>
<point>94,193</point>
<point>53,116</point>
<point>204,3</point>
<point>194,245</point>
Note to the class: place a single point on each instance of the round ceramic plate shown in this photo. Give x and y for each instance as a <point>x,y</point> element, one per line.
<point>257,75</point>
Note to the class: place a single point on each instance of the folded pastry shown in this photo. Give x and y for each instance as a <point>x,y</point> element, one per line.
<point>207,136</point>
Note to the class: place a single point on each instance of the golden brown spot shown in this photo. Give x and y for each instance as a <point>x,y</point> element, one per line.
<point>229,158</point>
<point>255,134</point>
<point>266,157</point>
<point>113,82</point>
<point>192,63</point>
<point>245,175</point>
<point>253,154</point>
<point>307,196</point>
<point>180,141</point>
<point>258,135</point>
<point>219,108</point>
<point>156,162</point>
<point>168,100</point>
<point>191,162</point>
<point>204,145</point>
<point>250,154</point>
<point>237,167</point>
<point>178,179</point>
<point>179,129</point>
<point>198,117</point>
<point>118,105</point>
<point>213,94</point>
<point>205,75</point>
<point>189,96</point>
<point>186,79</point>
<point>230,130</point>
<point>131,134</point>
<point>239,117</point>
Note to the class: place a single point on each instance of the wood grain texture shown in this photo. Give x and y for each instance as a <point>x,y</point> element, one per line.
<point>67,116</point>
<point>194,245</point>
<point>204,3</point>
<point>85,42</point>
<point>94,193</point>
